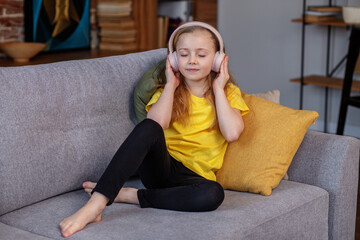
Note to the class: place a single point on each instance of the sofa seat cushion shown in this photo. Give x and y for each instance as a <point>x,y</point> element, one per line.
<point>291,208</point>
<point>9,232</point>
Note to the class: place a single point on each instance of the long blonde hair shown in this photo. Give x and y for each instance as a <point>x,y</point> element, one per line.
<point>181,111</point>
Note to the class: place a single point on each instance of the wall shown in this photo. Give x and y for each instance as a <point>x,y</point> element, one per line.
<point>264,49</point>
<point>11,20</point>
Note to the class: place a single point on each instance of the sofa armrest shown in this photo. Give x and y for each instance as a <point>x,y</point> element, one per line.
<point>332,163</point>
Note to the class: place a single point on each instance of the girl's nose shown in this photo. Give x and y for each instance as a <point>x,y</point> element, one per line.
<point>193,59</point>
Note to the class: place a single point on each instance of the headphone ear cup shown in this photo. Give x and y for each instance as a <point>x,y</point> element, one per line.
<point>219,57</point>
<point>173,61</point>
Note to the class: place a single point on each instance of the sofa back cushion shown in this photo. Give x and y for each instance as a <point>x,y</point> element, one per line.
<point>61,123</point>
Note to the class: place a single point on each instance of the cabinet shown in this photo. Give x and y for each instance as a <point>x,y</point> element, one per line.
<point>327,80</point>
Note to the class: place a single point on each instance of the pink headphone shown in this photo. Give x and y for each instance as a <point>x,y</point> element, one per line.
<point>219,55</point>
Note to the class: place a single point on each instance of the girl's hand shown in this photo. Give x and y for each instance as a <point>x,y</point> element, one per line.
<point>171,77</point>
<point>161,111</point>
<point>223,76</point>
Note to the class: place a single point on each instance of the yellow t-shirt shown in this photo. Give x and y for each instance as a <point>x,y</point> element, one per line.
<point>198,146</point>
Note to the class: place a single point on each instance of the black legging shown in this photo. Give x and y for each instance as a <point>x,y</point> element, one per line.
<point>170,185</point>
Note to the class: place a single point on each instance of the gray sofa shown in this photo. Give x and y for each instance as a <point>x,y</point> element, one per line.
<point>61,123</point>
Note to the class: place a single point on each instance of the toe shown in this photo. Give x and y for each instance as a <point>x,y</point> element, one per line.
<point>88,190</point>
<point>71,229</point>
<point>63,229</point>
<point>85,184</point>
<point>65,234</point>
<point>89,184</point>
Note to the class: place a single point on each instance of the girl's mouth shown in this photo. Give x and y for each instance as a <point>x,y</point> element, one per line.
<point>192,69</point>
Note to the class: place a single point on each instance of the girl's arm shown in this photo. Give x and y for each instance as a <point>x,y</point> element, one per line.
<point>230,120</point>
<point>161,110</point>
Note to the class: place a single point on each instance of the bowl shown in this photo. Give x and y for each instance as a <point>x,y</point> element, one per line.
<point>351,15</point>
<point>21,51</point>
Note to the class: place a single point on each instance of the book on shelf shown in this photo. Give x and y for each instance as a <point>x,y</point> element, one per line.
<point>112,1</point>
<point>117,26</point>
<point>325,8</point>
<point>117,32</point>
<point>114,37</point>
<point>103,15</point>
<point>160,22</point>
<point>114,40</point>
<point>111,19</point>
<point>114,11</point>
<point>163,26</point>
<point>125,22</point>
<point>94,38</point>
<point>321,16</point>
<point>113,8</point>
<point>121,12</point>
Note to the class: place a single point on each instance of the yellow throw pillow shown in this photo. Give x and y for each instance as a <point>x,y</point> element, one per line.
<point>259,159</point>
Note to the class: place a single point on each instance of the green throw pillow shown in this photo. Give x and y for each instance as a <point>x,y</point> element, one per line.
<point>146,87</point>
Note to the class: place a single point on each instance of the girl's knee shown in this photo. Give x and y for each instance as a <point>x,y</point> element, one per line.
<point>213,196</point>
<point>149,128</point>
<point>218,195</point>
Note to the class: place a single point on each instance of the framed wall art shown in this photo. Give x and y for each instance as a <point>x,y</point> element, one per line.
<point>61,24</point>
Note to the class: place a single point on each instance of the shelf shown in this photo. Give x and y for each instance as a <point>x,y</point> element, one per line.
<point>330,82</point>
<point>335,23</point>
<point>50,57</point>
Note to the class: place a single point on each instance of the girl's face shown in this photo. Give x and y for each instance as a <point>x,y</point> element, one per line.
<point>195,53</point>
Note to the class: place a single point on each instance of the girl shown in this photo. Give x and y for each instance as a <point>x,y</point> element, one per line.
<point>181,144</point>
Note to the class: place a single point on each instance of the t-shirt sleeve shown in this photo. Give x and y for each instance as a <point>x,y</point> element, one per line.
<point>154,99</point>
<point>235,99</point>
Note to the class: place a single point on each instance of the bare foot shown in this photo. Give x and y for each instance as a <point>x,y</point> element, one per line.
<point>126,195</point>
<point>88,186</point>
<point>89,213</point>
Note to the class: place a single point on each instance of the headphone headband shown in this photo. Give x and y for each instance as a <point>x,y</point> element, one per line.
<point>200,24</point>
